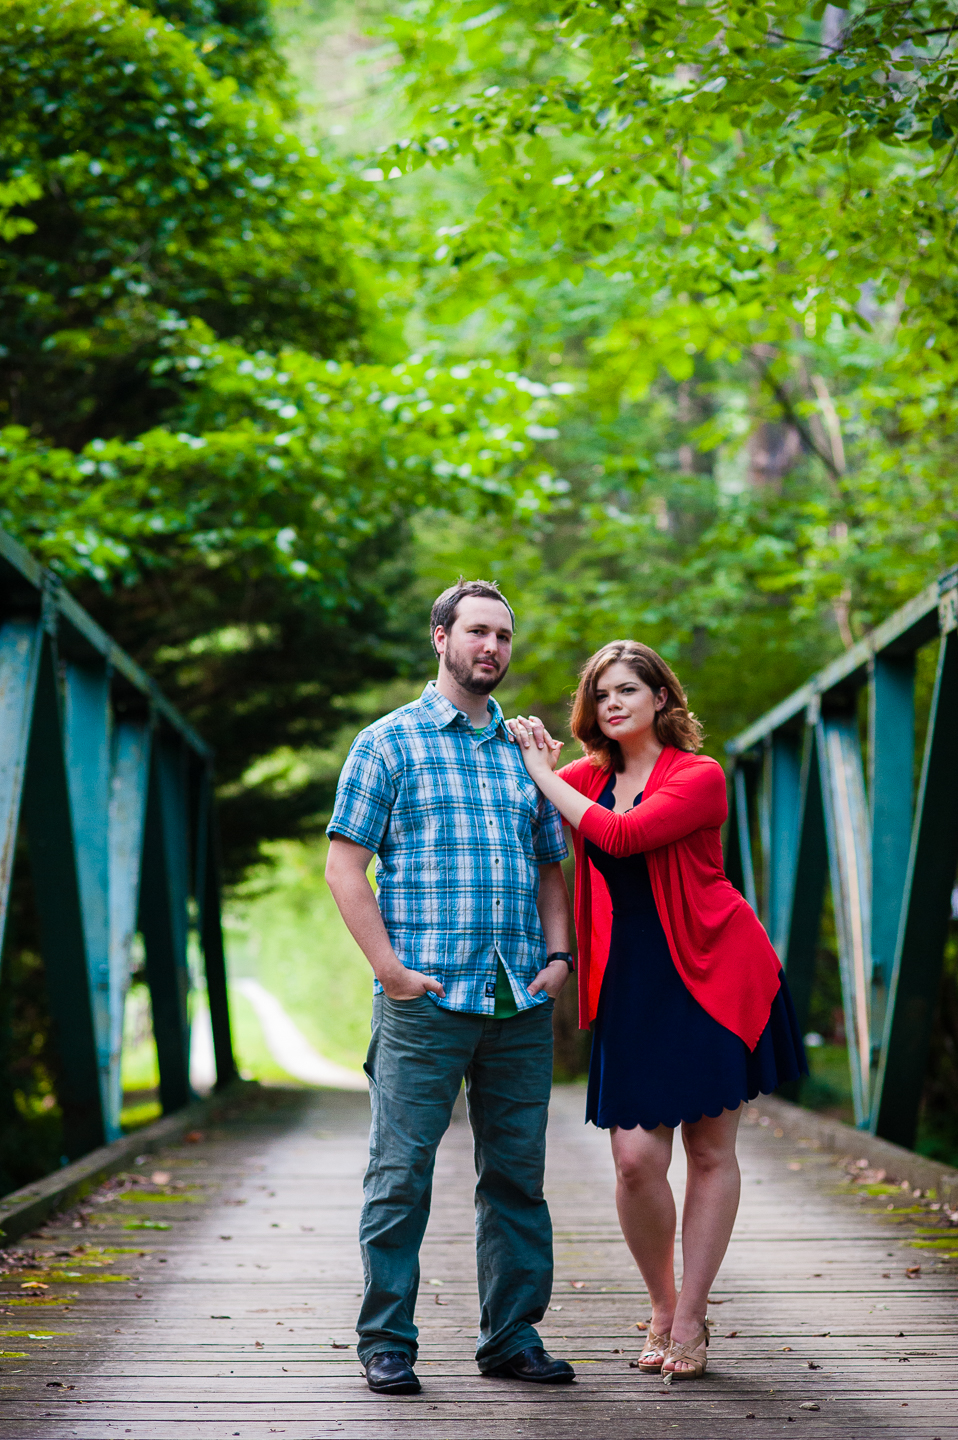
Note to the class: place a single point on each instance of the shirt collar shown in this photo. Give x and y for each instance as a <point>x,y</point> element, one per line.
<point>443,712</point>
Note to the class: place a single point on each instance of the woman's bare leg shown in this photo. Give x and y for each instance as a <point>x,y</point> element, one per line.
<point>712,1191</point>
<point>646,1207</point>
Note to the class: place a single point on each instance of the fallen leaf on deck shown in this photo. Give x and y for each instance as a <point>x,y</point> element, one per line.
<point>913,1271</point>
<point>794,1165</point>
<point>193,1137</point>
<point>812,1366</point>
<point>731,1335</point>
<point>786,1347</point>
<point>810,1405</point>
<point>34,1285</point>
<point>161,1177</point>
<point>440,1302</point>
<point>577,1284</point>
<point>641,1325</point>
<point>341,1344</point>
<point>258,1344</point>
<point>750,1414</point>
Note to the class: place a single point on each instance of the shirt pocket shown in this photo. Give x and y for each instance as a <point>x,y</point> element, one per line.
<point>523,800</point>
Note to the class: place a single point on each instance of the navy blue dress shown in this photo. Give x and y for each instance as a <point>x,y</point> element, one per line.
<point>658,1058</point>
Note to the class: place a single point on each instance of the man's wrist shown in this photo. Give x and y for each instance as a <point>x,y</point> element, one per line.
<point>563,955</point>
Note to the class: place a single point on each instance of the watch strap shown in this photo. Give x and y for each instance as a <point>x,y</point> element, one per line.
<point>562,955</point>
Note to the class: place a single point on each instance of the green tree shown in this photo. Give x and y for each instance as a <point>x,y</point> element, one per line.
<point>210,426</point>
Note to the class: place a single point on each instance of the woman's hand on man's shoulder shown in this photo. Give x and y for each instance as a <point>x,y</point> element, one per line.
<point>530,731</point>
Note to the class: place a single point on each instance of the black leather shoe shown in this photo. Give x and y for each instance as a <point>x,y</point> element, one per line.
<point>534,1364</point>
<point>391,1374</point>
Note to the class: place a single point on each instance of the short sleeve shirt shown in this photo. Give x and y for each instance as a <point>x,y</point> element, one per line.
<point>459,830</point>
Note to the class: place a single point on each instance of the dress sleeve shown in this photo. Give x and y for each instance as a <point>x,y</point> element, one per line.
<point>693,799</point>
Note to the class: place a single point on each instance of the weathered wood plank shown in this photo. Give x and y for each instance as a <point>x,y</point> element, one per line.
<point>147,1359</point>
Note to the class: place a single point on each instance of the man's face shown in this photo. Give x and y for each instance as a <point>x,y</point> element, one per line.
<point>477,648</point>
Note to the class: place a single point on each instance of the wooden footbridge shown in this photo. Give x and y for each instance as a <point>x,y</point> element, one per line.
<point>209,1289</point>
<point>212,1291</point>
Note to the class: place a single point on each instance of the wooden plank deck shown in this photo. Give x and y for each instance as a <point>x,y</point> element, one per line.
<point>235,1318</point>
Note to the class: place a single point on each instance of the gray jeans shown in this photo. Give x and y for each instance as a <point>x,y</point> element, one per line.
<point>417,1059</point>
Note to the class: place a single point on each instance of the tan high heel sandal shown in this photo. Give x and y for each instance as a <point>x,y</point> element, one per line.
<point>692,1352</point>
<point>654,1345</point>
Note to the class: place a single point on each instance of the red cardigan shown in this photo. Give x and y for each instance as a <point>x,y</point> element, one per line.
<point>718,945</point>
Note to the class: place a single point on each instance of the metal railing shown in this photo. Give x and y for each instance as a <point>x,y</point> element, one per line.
<point>798,783</point>
<point>114,791</point>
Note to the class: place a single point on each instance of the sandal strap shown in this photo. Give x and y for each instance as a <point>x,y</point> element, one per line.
<point>656,1342</point>
<point>685,1350</point>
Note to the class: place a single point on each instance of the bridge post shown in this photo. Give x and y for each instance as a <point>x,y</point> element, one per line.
<point>20,645</point>
<point>891,758</point>
<point>811,871</point>
<point>163,917</point>
<point>207,891</point>
<point>53,865</point>
<point>129,782</point>
<point>739,864</point>
<point>87,723</point>
<point>846,826</point>
<point>780,808</point>
<point>925,911</point>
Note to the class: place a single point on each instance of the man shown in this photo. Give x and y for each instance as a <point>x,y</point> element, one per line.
<point>469,945</point>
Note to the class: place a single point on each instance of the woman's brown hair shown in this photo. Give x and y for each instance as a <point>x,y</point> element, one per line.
<point>674,723</point>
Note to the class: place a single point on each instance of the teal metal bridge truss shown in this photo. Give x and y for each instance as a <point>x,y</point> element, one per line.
<point>114,791</point>
<point>888,850</point>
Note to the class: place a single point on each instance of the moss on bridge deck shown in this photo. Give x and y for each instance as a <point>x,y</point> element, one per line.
<point>215,1297</point>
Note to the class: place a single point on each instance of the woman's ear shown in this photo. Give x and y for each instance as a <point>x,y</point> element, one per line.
<point>661,698</point>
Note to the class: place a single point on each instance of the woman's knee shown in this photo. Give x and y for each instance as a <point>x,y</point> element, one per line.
<point>710,1154</point>
<point>641,1166</point>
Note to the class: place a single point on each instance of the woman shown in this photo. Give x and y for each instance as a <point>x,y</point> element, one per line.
<point>691,1012</point>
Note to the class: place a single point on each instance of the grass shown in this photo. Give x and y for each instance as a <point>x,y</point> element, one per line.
<point>828,1087</point>
<point>143,1112</point>
<point>284,930</point>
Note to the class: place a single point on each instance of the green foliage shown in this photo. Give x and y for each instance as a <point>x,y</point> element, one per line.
<point>284,929</point>
<point>210,425</point>
<point>749,206</point>
<point>154,190</point>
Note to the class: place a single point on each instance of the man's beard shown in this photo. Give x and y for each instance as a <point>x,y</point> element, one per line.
<point>463,673</point>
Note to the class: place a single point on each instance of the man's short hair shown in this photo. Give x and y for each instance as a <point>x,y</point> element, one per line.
<point>445,607</point>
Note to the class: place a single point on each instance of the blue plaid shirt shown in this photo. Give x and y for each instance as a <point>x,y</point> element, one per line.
<point>459,830</point>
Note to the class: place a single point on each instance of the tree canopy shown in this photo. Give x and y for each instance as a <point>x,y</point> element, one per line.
<point>731,228</point>
<point>210,422</point>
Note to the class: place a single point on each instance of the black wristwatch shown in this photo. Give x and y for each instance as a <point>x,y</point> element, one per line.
<point>562,955</point>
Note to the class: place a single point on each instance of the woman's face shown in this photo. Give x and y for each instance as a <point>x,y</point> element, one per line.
<point>625,705</point>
